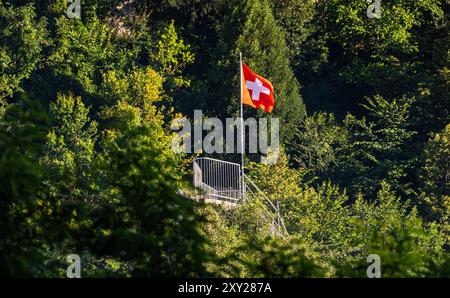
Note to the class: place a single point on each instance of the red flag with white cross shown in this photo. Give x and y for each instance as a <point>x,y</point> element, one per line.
<point>257,91</point>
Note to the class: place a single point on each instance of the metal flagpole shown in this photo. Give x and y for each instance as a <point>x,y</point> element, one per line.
<point>242,128</point>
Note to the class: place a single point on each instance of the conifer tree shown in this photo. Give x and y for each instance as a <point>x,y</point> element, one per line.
<point>264,50</point>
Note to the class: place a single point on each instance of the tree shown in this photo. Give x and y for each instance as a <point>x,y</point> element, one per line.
<point>23,38</point>
<point>276,258</point>
<point>378,149</point>
<point>70,184</point>
<point>378,47</point>
<point>435,177</point>
<point>387,227</point>
<point>284,182</point>
<point>82,52</point>
<point>316,142</point>
<point>264,49</point>
<point>20,178</point>
<point>172,55</point>
<point>69,150</point>
<point>96,176</point>
<point>141,88</point>
<point>295,18</point>
<point>436,174</point>
<point>390,56</point>
<point>232,27</point>
<point>150,225</point>
<point>318,215</point>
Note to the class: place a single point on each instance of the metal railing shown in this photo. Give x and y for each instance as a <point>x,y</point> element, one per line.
<point>219,179</point>
<point>222,180</point>
<point>272,212</point>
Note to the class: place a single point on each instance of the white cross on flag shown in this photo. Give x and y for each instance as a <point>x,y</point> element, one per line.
<point>257,91</point>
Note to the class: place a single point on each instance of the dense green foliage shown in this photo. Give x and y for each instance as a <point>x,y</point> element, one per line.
<point>86,165</point>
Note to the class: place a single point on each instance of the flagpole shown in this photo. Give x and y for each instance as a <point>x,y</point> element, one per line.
<point>242,128</point>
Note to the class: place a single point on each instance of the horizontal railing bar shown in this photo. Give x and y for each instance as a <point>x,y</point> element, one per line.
<point>224,197</point>
<point>219,161</point>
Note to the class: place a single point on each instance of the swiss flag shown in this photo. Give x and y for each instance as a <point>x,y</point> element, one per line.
<point>257,91</point>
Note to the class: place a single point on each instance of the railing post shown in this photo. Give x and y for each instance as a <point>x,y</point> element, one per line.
<point>278,217</point>
<point>242,184</point>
